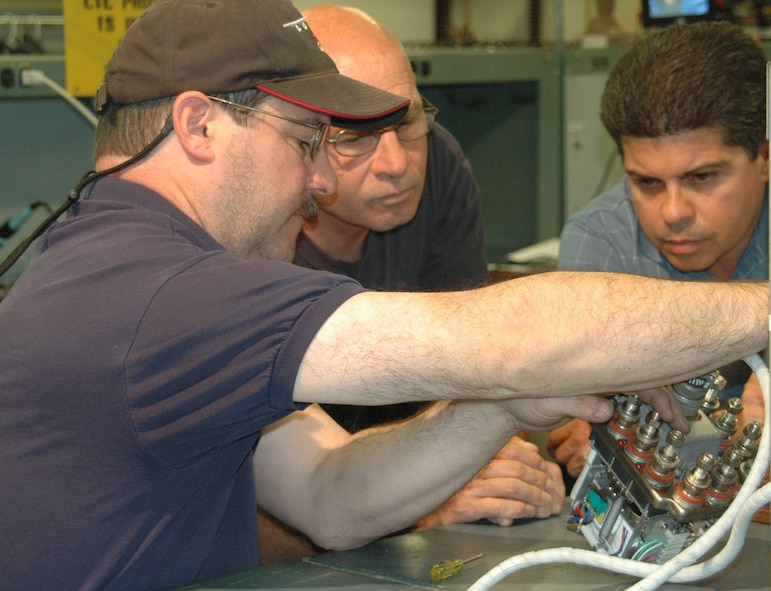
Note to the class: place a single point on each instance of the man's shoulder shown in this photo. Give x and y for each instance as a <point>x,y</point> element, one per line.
<point>449,176</point>
<point>614,199</point>
<point>614,208</point>
<point>442,141</point>
<point>605,235</point>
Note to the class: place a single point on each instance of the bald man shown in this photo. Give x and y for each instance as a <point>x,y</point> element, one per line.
<point>406,217</point>
<point>406,214</point>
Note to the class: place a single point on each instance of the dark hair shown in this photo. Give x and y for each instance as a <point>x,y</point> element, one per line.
<point>686,77</point>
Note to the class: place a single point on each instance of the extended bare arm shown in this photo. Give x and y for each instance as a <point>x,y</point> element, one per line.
<point>555,334</point>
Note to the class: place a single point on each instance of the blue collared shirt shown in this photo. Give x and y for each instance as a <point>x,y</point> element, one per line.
<point>606,236</point>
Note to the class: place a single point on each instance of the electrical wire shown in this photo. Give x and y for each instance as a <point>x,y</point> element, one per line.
<point>33,77</point>
<point>648,550</point>
<point>731,516</point>
<point>74,195</point>
<point>736,518</point>
<point>87,114</point>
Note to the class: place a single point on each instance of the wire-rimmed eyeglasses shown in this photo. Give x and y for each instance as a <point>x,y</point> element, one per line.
<point>417,124</point>
<point>321,129</point>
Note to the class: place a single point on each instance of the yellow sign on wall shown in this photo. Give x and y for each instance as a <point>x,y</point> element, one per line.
<point>92,31</point>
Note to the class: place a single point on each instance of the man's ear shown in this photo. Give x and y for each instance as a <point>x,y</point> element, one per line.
<point>764,155</point>
<point>193,113</point>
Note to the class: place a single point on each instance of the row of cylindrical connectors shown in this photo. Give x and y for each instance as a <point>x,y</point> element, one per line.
<point>713,480</point>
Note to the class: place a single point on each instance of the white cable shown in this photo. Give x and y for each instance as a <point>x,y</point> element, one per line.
<point>31,77</point>
<point>747,501</point>
<point>625,566</point>
<point>729,518</point>
<point>729,552</point>
<point>80,107</point>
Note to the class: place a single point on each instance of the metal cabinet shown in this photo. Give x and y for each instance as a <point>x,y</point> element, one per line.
<point>503,105</point>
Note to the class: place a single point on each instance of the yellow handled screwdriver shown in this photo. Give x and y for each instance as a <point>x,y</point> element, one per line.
<point>448,568</point>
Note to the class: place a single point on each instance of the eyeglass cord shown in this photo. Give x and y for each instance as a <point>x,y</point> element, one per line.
<point>74,196</point>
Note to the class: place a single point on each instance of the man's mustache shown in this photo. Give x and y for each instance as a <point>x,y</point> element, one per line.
<point>309,209</point>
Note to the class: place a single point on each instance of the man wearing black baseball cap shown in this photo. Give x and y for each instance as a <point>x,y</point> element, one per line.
<point>266,46</point>
<point>160,337</point>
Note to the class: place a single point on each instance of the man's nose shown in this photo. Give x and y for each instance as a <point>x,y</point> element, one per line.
<point>322,179</point>
<point>390,155</point>
<point>676,207</point>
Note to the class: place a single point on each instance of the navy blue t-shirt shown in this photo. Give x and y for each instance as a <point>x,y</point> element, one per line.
<point>140,362</point>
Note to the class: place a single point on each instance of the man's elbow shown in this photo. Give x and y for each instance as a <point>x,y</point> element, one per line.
<point>336,538</point>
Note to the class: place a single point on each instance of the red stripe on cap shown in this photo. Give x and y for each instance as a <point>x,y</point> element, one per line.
<point>339,114</point>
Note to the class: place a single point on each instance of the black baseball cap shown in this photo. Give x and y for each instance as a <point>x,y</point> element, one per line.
<point>221,46</point>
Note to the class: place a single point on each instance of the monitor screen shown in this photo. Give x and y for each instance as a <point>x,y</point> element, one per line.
<point>660,13</point>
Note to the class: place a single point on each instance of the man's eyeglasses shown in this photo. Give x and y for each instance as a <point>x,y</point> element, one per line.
<point>321,129</point>
<point>415,125</point>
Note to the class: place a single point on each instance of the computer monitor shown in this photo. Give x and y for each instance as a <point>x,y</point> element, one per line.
<point>661,13</point>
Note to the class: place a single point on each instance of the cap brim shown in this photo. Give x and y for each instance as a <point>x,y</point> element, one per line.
<point>349,103</point>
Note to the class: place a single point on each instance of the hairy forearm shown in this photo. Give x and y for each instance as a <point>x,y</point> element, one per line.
<point>555,333</point>
<point>380,480</point>
<point>613,332</point>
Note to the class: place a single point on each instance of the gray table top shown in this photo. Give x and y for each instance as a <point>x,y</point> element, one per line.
<point>403,563</point>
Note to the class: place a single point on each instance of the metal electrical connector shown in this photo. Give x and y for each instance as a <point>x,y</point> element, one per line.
<point>11,67</point>
<point>31,77</point>
<point>682,567</point>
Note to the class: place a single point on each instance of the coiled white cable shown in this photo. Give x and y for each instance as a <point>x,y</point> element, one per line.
<point>730,517</point>
<point>736,518</point>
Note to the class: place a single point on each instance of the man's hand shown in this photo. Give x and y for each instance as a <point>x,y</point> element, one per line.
<point>752,399</point>
<point>545,413</point>
<point>517,484</point>
<point>569,445</point>
<point>670,410</point>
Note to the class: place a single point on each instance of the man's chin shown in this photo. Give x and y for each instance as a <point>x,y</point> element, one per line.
<point>390,220</point>
<point>689,264</point>
<point>388,225</point>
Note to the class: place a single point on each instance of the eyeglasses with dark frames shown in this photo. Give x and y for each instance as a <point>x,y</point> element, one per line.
<point>417,124</point>
<point>321,129</point>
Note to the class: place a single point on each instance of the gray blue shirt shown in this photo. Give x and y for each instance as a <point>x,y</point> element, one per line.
<point>606,236</point>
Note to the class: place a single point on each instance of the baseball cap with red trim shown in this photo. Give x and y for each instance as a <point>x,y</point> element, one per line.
<point>221,46</point>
